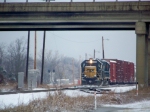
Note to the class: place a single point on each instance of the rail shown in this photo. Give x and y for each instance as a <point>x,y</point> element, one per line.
<point>5,1</point>
<point>87,89</point>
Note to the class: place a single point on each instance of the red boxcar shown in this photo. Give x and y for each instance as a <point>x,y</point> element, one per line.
<point>125,71</point>
<point>121,71</point>
<point>118,74</point>
<point>130,72</point>
<point>112,71</point>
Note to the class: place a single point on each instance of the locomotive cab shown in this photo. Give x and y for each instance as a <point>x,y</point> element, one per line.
<point>105,72</point>
<point>91,72</point>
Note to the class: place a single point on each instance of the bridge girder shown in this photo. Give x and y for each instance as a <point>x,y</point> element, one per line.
<point>73,16</point>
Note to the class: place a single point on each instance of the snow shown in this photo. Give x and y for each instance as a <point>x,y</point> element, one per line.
<point>143,106</point>
<point>121,89</point>
<point>75,93</point>
<point>17,99</point>
<point>39,89</point>
<point>137,105</point>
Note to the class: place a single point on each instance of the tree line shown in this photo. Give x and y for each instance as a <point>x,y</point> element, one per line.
<point>13,60</point>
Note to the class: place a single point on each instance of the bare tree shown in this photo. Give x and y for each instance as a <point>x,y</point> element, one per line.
<point>2,53</point>
<point>51,60</point>
<point>62,65</point>
<point>16,57</point>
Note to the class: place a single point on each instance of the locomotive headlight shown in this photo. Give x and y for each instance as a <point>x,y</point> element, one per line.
<point>91,61</point>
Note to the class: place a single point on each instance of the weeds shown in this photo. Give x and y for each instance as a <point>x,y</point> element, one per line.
<point>59,102</point>
<point>8,87</point>
<point>127,97</point>
<point>55,102</point>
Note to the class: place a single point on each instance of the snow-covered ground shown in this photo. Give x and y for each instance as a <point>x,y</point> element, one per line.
<point>16,99</point>
<point>143,106</point>
<point>121,89</point>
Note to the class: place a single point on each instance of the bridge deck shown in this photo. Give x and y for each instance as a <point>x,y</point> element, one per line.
<point>74,6</point>
<point>73,15</point>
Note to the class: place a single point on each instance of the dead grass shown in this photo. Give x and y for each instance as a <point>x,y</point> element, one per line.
<point>56,102</point>
<point>59,101</point>
<point>8,87</point>
<point>124,98</point>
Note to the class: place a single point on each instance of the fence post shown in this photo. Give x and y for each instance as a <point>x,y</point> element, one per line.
<point>95,100</point>
<point>71,0</point>
<point>4,1</point>
<point>137,90</point>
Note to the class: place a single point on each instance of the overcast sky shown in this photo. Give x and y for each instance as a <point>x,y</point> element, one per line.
<point>121,44</point>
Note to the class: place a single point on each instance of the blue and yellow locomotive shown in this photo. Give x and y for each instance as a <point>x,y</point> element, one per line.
<point>91,72</point>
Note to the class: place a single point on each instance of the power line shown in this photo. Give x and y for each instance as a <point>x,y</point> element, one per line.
<point>56,43</point>
<point>74,41</point>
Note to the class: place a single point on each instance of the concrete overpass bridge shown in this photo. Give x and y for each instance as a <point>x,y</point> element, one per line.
<point>85,16</point>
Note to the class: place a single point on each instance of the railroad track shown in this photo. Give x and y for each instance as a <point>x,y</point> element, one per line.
<point>81,88</point>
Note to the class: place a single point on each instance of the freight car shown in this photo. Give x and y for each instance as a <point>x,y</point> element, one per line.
<point>106,71</point>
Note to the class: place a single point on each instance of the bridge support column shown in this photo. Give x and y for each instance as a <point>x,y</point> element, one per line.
<point>141,66</point>
<point>148,55</point>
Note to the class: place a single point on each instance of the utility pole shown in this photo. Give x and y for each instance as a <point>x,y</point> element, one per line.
<point>94,53</point>
<point>35,52</point>
<point>85,56</point>
<point>73,70</point>
<point>28,46</point>
<point>63,72</point>
<point>103,47</point>
<point>80,69</point>
<point>44,36</point>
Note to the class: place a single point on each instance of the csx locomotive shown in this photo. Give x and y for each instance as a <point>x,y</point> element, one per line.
<point>106,71</point>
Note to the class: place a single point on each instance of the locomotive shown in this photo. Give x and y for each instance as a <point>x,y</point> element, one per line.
<point>91,72</point>
<point>106,71</point>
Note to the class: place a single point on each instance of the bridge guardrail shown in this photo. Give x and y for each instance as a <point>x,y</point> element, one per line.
<point>5,1</point>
